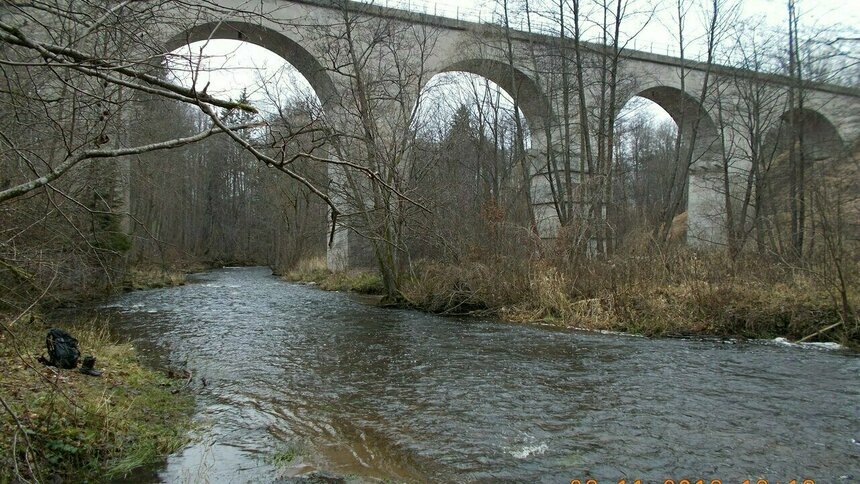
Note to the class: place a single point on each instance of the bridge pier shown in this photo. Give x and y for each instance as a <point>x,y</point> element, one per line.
<point>347,248</point>
<point>546,216</point>
<point>705,208</point>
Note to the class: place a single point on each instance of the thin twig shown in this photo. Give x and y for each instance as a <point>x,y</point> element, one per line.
<point>26,437</point>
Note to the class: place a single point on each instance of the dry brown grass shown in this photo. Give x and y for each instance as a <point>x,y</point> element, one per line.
<point>153,277</point>
<point>641,290</point>
<point>315,270</point>
<point>466,287</point>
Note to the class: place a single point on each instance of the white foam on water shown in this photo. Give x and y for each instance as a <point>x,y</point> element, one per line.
<point>617,333</point>
<point>134,308</point>
<point>530,450</point>
<point>823,346</point>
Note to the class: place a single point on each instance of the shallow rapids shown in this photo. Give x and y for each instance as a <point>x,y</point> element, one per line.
<point>300,380</point>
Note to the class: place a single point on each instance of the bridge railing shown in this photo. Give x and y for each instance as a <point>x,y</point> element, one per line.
<point>517,21</point>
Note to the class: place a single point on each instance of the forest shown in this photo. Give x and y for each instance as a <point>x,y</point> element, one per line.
<point>115,176</point>
<point>445,212</point>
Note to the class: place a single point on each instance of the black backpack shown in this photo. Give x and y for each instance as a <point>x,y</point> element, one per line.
<point>63,349</point>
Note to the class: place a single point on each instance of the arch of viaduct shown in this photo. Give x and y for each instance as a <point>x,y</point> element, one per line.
<point>291,29</point>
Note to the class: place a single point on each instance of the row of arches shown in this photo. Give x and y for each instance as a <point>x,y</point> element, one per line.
<point>672,102</point>
<point>663,102</point>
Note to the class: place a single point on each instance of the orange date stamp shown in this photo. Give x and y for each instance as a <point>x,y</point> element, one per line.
<point>696,481</point>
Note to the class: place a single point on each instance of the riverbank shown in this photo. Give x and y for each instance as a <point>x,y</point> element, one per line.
<point>154,276</point>
<point>683,293</point>
<point>62,425</point>
<point>314,271</point>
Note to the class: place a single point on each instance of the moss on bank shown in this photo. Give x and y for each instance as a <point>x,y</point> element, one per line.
<point>67,426</point>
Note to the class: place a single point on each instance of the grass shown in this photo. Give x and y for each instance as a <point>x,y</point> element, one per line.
<point>285,456</point>
<point>149,277</point>
<point>672,291</point>
<point>362,282</point>
<point>683,293</point>
<point>61,425</point>
<point>315,270</point>
<point>152,275</point>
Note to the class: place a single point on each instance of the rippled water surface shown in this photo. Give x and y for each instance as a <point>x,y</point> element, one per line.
<point>373,393</point>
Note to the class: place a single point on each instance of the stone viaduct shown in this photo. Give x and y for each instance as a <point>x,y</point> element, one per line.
<point>291,29</point>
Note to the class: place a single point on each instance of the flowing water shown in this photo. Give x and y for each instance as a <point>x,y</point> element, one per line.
<point>376,394</point>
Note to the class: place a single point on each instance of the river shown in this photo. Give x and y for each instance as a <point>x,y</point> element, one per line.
<point>383,394</point>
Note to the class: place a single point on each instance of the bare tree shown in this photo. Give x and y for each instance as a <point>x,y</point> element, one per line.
<point>383,65</point>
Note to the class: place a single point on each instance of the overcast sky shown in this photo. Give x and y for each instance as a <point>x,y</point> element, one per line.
<point>231,65</point>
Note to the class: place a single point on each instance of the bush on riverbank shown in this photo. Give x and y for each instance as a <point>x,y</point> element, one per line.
<point>640,289</point>
<point>67,426</point>
<point>679,292</point>
<point>151,277</point>
<point>316,271</point>
<point>313,269</point>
